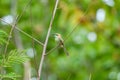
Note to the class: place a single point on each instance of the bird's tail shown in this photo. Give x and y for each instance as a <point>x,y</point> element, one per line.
<point>66,52</point>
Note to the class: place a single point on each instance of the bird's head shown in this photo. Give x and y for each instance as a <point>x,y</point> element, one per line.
<point>57,36</point>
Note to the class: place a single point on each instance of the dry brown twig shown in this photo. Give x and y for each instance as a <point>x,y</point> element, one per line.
<point>46,40</point>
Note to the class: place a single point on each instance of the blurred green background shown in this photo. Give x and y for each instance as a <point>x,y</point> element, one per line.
<point>93,45</point>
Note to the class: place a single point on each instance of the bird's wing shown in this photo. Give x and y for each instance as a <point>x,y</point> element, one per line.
<point>65,51</point>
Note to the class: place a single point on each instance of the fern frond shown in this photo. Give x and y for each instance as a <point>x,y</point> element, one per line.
<point>15,57</point>
<point>1,60</point>
<point>3,36</point>
<point>10,76</point>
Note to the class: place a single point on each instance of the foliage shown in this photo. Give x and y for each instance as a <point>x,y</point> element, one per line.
<point>100,58</point>
<point>3,36</point>
<point>13,57</point>
<point>9,76</point>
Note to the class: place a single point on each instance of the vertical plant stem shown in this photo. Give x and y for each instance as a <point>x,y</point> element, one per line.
<point>46,40</point>
<point>9,37</point>
<point>90,76</point>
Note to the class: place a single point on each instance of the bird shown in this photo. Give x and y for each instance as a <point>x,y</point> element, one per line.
<point>60,41</point>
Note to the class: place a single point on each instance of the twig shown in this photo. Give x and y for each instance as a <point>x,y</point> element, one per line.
<point>70,32</point>
<point>23,10</point>
<point>52,49</point>
<point>10,35</point>
<point>46,40</point>
<point>13,27</point>
<point>76,24</point>
<point>22,30</point>
<point>25,33</point>
<point>29,36</point>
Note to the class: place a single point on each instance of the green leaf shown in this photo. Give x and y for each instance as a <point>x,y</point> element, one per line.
<point>3,36</point>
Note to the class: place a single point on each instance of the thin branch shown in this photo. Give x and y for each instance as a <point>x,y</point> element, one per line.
<point>70,32</point>
<point>10,36</point>
<point>52,49</point>
<point>25,8</point>
<point>25,33</point>
<point>13,27</point>
<point>22,30</point>
<point>46,41</point>
<point>29,36</point>
<point>77,24</point>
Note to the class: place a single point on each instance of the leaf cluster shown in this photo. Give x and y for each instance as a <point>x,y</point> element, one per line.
<point>14,57</point>
<point>8,60</point>
<point>11,75</point>
<point>3,36</point>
